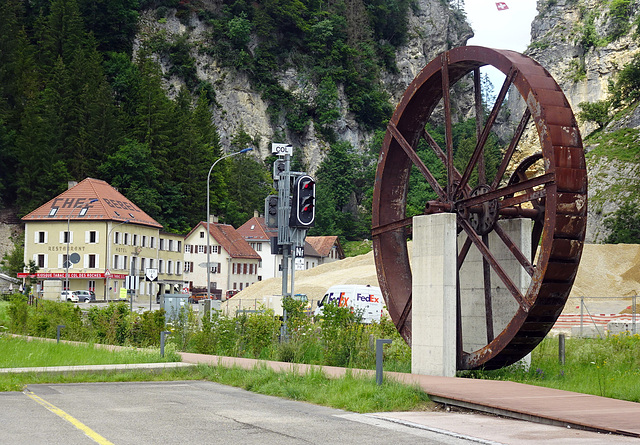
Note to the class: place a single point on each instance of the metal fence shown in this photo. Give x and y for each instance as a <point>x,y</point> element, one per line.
<point>597,312</point>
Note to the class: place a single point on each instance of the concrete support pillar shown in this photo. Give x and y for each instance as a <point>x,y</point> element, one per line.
<point>433,319</point>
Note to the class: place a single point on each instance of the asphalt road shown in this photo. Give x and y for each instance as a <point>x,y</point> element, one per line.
<point>187,413</point>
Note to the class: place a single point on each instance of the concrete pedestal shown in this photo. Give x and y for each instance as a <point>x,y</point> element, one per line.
<point>435,251</point>
<point>433,309</point>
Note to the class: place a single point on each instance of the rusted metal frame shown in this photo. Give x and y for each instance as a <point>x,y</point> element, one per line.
<point>505,191</point>
<point>405,314</point>
<point>440,154</point>
<point>448,135</point>
<point>411,153</point>
<point>530,195</point>
<point>391,226</point>
<point>506,239</point>
<point>482,176</point>
<point>512,148</point>
<point>479,150</point>
<point>488,306</point>
<point>484,250</point>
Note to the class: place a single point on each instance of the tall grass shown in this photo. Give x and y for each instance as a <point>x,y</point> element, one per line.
<point>16,352</point>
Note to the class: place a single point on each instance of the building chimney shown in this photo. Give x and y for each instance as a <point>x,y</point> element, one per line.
<point>213,219</point>
<point>71,184</point>
<point>256,214</point>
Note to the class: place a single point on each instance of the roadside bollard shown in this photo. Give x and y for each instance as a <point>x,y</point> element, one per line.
<point>379,343</point>
<point>561,348</point>
<point>163,334</point>
<point>60,326</point>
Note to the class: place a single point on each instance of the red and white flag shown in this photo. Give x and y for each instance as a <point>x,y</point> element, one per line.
<point>501,6</point>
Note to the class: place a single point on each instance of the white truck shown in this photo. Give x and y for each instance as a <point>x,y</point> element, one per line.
<point>363,299</point>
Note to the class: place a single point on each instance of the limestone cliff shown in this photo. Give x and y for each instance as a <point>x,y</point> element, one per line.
<point>584,44</point>
<point>433,27</point>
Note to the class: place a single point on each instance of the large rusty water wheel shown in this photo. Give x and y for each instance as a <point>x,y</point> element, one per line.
<point>547,189</point>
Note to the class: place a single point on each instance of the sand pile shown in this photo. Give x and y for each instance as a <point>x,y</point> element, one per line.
<point>606,270</point>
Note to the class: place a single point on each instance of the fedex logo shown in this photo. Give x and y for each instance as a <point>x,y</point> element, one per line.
<point>341,299</point>
<point>368,298</point>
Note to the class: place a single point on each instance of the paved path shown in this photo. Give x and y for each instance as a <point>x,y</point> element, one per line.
<point>511,399</point>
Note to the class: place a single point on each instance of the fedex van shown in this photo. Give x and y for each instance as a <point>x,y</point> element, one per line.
<point>366,300</point>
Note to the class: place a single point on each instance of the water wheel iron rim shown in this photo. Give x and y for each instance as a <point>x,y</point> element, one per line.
<point>562,187</point>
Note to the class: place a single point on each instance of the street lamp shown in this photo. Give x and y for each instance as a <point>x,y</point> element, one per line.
<point>244,150</point>
<point>106,260</point>
<point>82,207</point>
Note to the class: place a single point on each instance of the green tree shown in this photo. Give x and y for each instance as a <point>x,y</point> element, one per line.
<point>597,112</point>
<point>624,225</point>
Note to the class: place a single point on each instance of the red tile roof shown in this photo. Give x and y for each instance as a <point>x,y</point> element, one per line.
<point>324,244</point>
<point>256,229</point>
<point>110,205</point>
<point>230,240</point>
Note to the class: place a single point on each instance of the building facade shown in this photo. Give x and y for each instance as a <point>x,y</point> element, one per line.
<point>91,237</point>
<point>233,264</point>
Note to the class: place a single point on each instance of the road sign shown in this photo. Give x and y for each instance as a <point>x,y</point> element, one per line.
<point>299,252</point>
<point>281,149</point>
<point>107,273</point>
<point>299,263</point>
<point>151,274</point>
<point>132,282</point>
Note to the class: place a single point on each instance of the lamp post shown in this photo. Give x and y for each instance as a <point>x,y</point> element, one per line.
<point>106,260</point>
<point>84,207</point>
<point>245,150</point>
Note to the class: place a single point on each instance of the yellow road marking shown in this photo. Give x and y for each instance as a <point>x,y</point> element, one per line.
<point>72,420</point>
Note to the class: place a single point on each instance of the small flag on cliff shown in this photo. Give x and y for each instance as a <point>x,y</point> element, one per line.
<point>501,6</point>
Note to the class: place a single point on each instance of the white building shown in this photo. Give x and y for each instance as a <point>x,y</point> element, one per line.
<point>233,264</point>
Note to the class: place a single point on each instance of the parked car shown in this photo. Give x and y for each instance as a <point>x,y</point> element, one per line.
<point>67,295</point>
<point>84,295</point>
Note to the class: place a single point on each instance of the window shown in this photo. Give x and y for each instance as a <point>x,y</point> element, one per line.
<point>92,237</point>
<point>258,247</point>
<point>143,264</point>
<point>160,265</point>
<point>161,244</point>
<point>169,265</point>
<point>116,259</point>
<point>41,261</point>
<point>125,239</point>
<point>178,267</point>
<point>92,261</point>
<point>201,234</point>
<point>170,245</point>
<point>188,266</point>
<point>135,239</point>
<point>53,211</point>
<point>187,248</point>
<point>201,249</point>
<point>92,285</point>
<point>126,262</point>
<point>153,242</point>
<point>215,249</point>
<point>215,268</point>
<point>41,237</point>
<point>144,240</point>
<point>179,249</point>
<point>240,286</point>
<point>151,263</point>
<point>66,237</point>
<point>116,238</point>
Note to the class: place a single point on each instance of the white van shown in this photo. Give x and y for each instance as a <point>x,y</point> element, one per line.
<point>366,300</point>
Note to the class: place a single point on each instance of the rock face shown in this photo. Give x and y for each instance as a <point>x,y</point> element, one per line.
<point>573,40</point>
<point>433,27</point>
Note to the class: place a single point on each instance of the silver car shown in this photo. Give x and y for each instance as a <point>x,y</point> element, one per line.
<point>67,295</point>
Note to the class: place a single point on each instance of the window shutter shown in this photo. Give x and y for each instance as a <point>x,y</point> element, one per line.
<point>86,237</point>
<point>62,237</point>
<point>86,260</point>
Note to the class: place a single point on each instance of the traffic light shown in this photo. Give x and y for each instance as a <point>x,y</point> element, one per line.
<point>271,211</point>
<point>303,208</point>
<point>279,167</point>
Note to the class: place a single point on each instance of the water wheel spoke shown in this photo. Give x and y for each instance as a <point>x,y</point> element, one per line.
<point>479,150</point>
<point>477,90</point>
<point>411,154</point>
<point>522,259</point>
<point>448,133</point>
<point>488,305</point>
<point>441,155</point>
<point>500,272</point>
<point>389,227</point>
<point>512,148</point>
<point>536,234</point>
<point>507,193</point>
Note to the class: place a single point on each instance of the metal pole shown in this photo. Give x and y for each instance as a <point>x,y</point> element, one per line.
<point>633,314</point>
<point>581,314</point>
<point>163,334</point>
<point>561,343</point>
<point>379,373</point>
<point>209,212</point>
<point>59,327</point>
